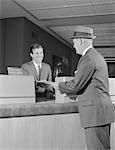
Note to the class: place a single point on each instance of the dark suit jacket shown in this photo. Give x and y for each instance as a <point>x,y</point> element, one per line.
<point>90,84</point>
<point>45,73</point>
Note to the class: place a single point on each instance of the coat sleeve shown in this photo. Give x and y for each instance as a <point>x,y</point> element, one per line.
<point>49,74</point>
<point>81,79</point>
<point>24,69</point>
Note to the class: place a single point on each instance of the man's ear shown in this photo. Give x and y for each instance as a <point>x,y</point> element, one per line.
<point>81,41</point>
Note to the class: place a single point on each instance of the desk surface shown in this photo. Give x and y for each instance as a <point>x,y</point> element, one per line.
<point>37,109</point>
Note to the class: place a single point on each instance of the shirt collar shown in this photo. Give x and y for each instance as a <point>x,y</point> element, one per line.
<point>84,52</point>
<point>36,65</point>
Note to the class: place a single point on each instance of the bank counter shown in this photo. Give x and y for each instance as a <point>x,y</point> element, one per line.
<point>43,125</point>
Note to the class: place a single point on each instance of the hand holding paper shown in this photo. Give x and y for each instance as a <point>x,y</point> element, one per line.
<point>53,84</point>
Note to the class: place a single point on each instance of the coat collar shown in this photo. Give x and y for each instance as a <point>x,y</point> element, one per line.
<point>84,52</point>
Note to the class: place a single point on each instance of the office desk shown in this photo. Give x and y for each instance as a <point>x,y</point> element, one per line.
<point>42,126</point>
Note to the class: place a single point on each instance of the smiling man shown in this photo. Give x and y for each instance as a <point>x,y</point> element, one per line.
<point>37,68</point>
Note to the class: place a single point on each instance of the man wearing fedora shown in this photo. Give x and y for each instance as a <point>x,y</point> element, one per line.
<point>90,85</point>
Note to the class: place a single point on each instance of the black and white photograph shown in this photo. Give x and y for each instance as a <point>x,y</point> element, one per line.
<point>57,74</point>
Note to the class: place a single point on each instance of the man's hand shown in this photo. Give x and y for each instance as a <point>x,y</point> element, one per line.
<point>53,84</point>
<point>41,89</point>
<point>50,88</point>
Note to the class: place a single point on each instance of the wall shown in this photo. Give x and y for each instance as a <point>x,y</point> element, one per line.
<point>19,34</point>
<point>106,51</point>
<point>14,41</point>
<point>2,44</point>
<point>33,33</point>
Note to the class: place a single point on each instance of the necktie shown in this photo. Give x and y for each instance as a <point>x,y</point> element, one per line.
<point>38,72</point>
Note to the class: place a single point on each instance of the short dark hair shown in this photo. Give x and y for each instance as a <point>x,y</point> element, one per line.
<point>34,46</point>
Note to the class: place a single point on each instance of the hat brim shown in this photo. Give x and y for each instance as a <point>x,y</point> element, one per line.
<point>83,37</point>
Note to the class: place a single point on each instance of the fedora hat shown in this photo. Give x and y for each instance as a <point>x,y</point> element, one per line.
<point>83,32</point>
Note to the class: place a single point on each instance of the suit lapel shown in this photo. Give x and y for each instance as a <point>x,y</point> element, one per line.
<point>34,70</point>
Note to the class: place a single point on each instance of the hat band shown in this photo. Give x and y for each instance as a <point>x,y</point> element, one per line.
<point>81,34</point>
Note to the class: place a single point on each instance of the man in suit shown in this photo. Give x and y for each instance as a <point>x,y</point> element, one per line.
<point>90,85</point>
<point>37,68</point>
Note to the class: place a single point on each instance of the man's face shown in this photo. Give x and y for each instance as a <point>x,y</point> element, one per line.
<point>77,45</point>
<point>37,55</point>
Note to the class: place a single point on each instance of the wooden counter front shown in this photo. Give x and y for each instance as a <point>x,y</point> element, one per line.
<point>43,126</point>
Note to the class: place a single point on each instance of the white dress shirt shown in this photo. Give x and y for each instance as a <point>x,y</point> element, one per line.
<point>36,66</point>
<point>84,52</point>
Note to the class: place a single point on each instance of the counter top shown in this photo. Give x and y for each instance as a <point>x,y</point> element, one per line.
<point>37,109</point>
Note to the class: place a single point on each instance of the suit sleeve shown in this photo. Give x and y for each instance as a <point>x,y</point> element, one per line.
<point>81,79</point>
<point>24,70</point>
<point>49,74</point>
